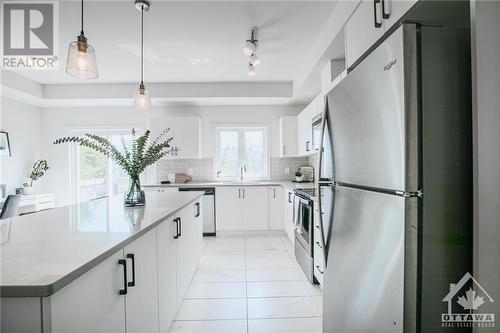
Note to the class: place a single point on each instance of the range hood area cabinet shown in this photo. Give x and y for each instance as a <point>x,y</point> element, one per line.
<point>369,23</point>
<point>159,263</point>
<point>186,132</point>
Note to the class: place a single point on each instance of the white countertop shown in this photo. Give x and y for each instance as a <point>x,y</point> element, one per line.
<point>286,183</point>
<point>43,252</point>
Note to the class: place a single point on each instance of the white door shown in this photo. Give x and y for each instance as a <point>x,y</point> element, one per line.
<point>188,137</point>
<point>276,208</point>
<point>167,273</point>
<point>228,201</point>
<point>255,213</point>
<point>92,302</point>
<point>363,29</point>
<point>288,136</point>
<point>396,9</point>
<point>142,296</point>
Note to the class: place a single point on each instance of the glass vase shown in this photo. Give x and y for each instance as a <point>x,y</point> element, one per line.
<point>135,196</point>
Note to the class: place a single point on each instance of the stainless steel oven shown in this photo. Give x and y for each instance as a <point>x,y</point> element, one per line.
<point>304,213</point>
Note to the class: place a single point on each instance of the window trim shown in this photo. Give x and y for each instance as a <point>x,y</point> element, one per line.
<point>240,127</point>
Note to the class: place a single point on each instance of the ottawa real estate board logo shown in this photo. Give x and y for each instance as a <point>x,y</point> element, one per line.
<point>467,302</point>
<point>29,35</point>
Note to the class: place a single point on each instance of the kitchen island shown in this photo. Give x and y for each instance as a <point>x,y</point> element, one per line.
<point>98,266</point>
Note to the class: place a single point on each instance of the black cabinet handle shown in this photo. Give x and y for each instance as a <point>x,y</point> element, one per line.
<point>274,193</point>
<point>239,193</point>
<point>319,245</point>
<point>375,22</point>
<point>180,226</point>
<point>308,144</point>
<point>317,227</point>
<point>384,14</point>
<point>197,209</point>
<point>319,270</point>
<point>176,220</point>
<point>132,257</point>
<point>243,193</point>
<point>289,197</point>
<point>123,262</point>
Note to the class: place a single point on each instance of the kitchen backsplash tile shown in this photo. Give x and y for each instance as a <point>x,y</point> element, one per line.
<point>203,169</point>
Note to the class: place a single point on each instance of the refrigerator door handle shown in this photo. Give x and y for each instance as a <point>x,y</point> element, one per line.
<point>321,140</point>
<point>321,226</point>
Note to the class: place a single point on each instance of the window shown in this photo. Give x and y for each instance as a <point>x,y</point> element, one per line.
<point>94,175</point>
<point>241,146</point>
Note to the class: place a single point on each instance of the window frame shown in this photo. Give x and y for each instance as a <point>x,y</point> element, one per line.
<point>241,129</point>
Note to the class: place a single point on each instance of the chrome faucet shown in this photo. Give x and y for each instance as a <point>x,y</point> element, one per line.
<point>243,168</point>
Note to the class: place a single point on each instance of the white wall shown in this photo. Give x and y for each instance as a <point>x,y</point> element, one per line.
<point>486,93</point>
<point>22,122</point>
<point>57,122</point>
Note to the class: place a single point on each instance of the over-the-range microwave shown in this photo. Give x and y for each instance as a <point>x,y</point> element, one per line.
<point>316,131</point>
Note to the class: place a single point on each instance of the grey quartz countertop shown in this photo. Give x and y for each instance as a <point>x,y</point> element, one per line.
<point>43,252</point>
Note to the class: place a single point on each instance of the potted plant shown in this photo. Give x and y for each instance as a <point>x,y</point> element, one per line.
<point>298,175</point>
<point>38,170</point>
<point>133,159</point>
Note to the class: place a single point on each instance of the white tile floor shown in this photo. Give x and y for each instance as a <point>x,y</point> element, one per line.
<point>249,283</point>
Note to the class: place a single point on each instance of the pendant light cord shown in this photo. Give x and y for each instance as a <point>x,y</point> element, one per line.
<point>142,44</point>
<point>82,19</point>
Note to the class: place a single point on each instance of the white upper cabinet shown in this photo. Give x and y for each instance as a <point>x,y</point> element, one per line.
<point>363,29</point>
<point>304,127</point>
<point>187,137</point>
<point>288,136</point>
<point>186,132</point>
<point>369,22</point>
<point>395,9</point>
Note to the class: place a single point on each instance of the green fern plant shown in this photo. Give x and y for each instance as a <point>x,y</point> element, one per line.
<point>133,159</point>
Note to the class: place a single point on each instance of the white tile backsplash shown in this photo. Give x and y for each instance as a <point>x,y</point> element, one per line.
<point>203,169</point>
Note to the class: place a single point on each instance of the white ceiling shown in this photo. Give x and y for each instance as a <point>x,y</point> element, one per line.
<point>191,41</point>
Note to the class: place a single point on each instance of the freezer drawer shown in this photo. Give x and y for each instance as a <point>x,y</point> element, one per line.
<point>364,276</point>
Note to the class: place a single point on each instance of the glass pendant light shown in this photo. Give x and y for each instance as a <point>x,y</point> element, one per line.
<point>142,100</point>
<point>81,61</point>
<point>251,70</point>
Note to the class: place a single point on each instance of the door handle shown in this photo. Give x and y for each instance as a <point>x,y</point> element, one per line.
<point>384,14</point>
<point>132,257</point>
<point>319,270</point>
<point>176,220</point>
<point>123,262</point>
<point>375,21</point>
<point>197,209</point>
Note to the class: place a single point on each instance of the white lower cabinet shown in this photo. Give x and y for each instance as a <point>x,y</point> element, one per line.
<point>276,208</point>
<point>137,289</point>
<point>289,216</point>
<point>92,302</point>
<point>242,208</point>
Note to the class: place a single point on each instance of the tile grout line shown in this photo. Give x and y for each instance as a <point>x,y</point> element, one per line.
<point>246,278</point>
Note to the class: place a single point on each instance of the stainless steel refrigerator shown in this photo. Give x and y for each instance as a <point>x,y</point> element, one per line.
<point>395,183</point>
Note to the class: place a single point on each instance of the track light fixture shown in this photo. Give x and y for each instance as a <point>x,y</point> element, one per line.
<point>250,50</point>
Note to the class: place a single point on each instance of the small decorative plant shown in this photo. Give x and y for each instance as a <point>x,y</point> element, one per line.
<point>133,158</point>
<point>39,169</point>
<point>298,175</point>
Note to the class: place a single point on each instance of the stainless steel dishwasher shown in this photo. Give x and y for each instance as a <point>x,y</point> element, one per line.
<point>208,205</point>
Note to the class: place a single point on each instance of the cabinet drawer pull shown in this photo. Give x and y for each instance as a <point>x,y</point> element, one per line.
<point>384,14</point>
<point>319,270</point>
<point>319,245</point>
<point>132,257</point>
<point>317,227</point>
<point>375,21</point>
<point>123,262</point>
<point>197,209</point>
